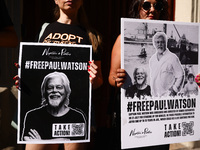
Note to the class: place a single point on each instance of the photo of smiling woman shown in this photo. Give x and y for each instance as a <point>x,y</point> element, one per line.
<point>54,119</point>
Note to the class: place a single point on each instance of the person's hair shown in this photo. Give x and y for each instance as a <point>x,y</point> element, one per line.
<point>190,75</point>
<point>158,35</point>
<point>136,6</point>
<point>94,36</point>
<point>65,82</point>
<point>135,72</point>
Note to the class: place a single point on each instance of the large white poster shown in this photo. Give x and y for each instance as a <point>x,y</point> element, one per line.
<point>160,99</point>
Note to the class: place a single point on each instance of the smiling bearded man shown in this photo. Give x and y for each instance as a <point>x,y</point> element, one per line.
<point>139,89</point>
<point>45,122</point>
<point>166,72</point>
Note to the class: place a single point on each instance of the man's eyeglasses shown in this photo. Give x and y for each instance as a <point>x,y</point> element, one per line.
<point>157,6</point>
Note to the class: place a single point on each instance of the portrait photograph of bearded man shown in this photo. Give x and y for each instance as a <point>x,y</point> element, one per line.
<point>140,88</point>
<point>54,119</point>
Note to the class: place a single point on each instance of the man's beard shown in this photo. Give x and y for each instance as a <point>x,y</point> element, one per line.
<point>55,100</point>
<point>140,81</point>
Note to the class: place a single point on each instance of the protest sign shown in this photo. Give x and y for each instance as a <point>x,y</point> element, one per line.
<point>55,93</point>
<point>159,99</point>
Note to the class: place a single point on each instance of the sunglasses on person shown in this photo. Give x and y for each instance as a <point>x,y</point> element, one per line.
<point>157,6</point>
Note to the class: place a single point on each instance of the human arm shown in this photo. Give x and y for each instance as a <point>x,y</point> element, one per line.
<point>196,90</point>
<point>179,77</point>
<point>116,75</point>
<point>27,130</point>
<point>34,135</point>
<point>185,90</point>
<point>94,69</point>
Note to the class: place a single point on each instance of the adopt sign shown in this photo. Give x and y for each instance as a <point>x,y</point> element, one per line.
<point>55,93</point>
<point>160,98</point>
